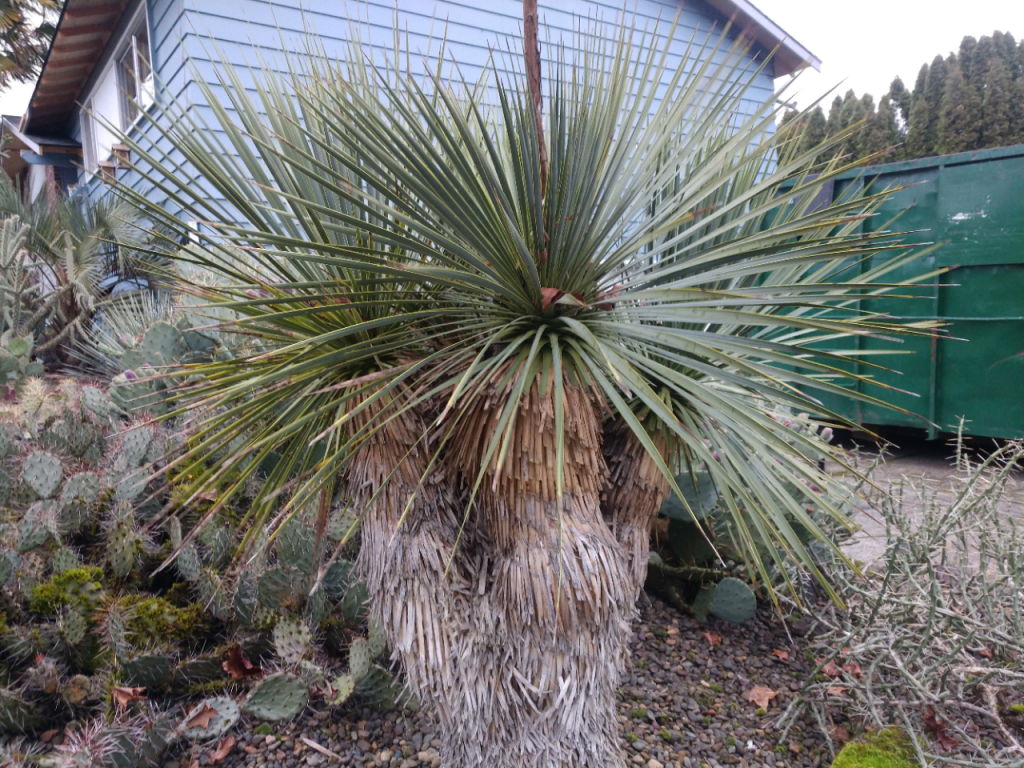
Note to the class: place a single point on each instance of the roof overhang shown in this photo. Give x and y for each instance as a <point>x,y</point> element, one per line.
<point>790,56</point>
<point>82,34</point>
<point>24,149</point>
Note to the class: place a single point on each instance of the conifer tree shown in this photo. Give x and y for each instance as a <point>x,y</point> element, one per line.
<point>996,128</point>
<point>900,97</point>
<point>881,133</point>
<point>958,121</point>
<point>814,131</point>
<point>922,134</point>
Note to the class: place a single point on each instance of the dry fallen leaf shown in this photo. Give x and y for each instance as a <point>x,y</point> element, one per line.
<point>201,717</point>
<point>238,666</point>
<point>223,749</point>
<point>938,730</point>
<point>853,669</point>
<point>985,653</point>
<point>122,695</point>
<point>831,669</point>
<point>712,638</point>
<point>780,654</point>
<point>761,695</point>
<point>45,736</point>
<point>794,748</point>
<point>840,734</point>
<point>835,690</point>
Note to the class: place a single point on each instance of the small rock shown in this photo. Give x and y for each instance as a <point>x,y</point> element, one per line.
<point>652,763</point>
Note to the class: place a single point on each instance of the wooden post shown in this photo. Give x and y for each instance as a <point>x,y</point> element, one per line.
<point>531,49</point>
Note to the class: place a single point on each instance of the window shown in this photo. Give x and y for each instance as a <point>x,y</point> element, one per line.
<point>88,137</point>
<point>134,73</point>
<point>122,88</point>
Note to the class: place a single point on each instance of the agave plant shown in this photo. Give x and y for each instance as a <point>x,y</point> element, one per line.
<point>503,344</point>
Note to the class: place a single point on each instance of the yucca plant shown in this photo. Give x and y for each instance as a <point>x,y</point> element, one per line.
<point>502,362</point>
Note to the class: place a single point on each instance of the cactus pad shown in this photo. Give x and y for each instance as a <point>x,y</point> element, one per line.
<point>700,494</point>
<point>83,486</point>
<point>123,547</point>
<point>163,344</point>
<point>689,543</point>
<point>344,686</point>
<point>292,640</point>
<point>353,604</point>
<point>64,559</point>
<point>276,587</point>
<point>376,638</point>
<point>295,545</point>
<point>188,562</point>
<point>37,526</point>
<point>42,471</point>
<point>733,601</point>
<point>226,716</point>
<point>360,658</point>
<point>6,566</point>
<point>151,671</point>
<point>16,714</point>
<point>73,626</point>
<point>96,402</point>
<point>244,600</point>
<point>131,486</point>
<point>278,697</point>
<point>135,444</point>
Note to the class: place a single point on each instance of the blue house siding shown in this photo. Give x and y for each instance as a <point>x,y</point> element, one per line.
<point>194,36</point>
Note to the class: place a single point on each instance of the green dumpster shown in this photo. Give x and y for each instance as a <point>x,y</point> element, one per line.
<point>972,203</point>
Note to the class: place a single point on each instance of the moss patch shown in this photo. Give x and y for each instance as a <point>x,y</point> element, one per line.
<point>154,619</point>
<point>889,748</point>
<point>79,587</point>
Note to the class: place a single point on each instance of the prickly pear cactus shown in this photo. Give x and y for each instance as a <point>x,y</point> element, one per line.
<point>151,671</point>
<point>123,548</point>
<point>278,697</point>
<point>42,472</point>
<point>360,659</point>
<point>344,686</point>
<point>292,640</point>
<point>226,714</point>
<point>733,601</point>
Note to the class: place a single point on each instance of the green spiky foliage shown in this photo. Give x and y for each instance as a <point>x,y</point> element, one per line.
<point>457,301</point>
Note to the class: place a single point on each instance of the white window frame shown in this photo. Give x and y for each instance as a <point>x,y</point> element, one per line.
<point>129,47</point>
<point>128,41</point>
<point>89,158</point>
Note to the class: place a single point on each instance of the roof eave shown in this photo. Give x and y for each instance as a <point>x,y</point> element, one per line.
<point>790,56</point>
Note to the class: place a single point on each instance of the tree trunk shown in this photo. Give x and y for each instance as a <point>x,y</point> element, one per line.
<point>635,491</point>
<point>519,649</point>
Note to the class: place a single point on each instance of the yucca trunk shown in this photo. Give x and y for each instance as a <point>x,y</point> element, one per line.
<point>519,649</point>
<point>634,493</point>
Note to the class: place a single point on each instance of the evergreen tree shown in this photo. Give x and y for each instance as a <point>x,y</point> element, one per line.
<point>922,135</point>
<point>900,97</point>
<point>966,57</point>
<point>958,121</point>
<point>881,133</point>
<point>814,131</point>
<point>832,124</point>
<point>996,107</point>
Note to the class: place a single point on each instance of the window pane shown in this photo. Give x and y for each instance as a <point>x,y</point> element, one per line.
<point>142,46</point>
<point>129,87</point>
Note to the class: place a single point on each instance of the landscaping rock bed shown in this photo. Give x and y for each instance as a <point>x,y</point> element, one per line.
<point>684,703</point>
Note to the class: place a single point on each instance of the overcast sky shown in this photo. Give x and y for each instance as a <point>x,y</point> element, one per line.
<point>868,42</point>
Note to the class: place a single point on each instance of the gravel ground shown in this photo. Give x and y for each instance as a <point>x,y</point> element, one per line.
<point>685,703</point>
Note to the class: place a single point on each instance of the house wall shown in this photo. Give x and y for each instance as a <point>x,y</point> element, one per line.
<point>190,37</point>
